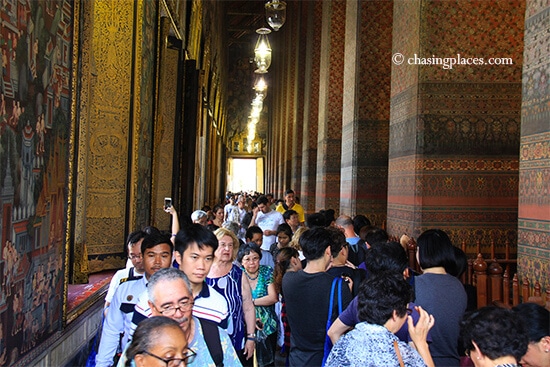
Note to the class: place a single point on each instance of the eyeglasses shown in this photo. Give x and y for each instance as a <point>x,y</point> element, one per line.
<point>226,245</point>
<point>175,362</point>
<point>134,257</point>
<point>251,260</point>
<point>409,311</point>
<point>171,310</point>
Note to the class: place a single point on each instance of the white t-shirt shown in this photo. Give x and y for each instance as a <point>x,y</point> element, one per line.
<point>228,208</point>
<point>269,221</point>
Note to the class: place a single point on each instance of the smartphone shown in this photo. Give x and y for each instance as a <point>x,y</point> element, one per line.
<point>167,203</point>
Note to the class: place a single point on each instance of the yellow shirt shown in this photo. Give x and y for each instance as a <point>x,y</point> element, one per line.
<point>297,208</point>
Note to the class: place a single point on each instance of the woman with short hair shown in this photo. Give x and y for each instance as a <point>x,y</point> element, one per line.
<point>383,309</point>
<point>536,320</point>
<point>440,294</point>
<point>493,337</point>
<point>264,297</point>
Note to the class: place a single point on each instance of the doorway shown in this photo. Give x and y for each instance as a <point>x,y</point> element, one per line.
<point>245,174</point>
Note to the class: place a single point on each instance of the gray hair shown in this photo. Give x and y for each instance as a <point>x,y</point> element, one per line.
<point>198,214</point>
<point>232,226</point>
<point>163,275</point>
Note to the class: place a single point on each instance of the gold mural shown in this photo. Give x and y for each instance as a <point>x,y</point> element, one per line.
<point>104,130</point>
<point>195,32</point>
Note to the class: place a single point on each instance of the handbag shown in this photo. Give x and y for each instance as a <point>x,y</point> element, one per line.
<point>328,342</point>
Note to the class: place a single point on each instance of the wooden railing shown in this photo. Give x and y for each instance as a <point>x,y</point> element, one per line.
<point>492,278</point>
<point>494,285</point>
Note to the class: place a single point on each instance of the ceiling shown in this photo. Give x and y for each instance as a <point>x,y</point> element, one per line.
<point>243,18</point>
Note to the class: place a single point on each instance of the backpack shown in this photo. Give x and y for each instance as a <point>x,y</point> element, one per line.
<point>213,342</point>
<point>358,257</point>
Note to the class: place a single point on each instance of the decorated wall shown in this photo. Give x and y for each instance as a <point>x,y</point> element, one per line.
<point>454,132</point>
<point>36,40</point>
<point>115,137</point>
<point>366,113</point>
<point>534,167</point>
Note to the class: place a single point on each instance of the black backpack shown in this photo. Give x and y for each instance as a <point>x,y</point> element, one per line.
<point>213,342</point>
<point>358,257</point>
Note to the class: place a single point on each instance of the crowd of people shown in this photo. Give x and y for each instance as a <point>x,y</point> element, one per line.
<point>258,282</point>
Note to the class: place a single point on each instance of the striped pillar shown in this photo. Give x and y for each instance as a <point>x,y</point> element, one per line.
<point>331,84</point>
<point>454,131</point>
<point>366,113</point>
<point>534,167</point>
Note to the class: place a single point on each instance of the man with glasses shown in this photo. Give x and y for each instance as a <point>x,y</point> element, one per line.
<point>169,294</point>
<point>135,271</point>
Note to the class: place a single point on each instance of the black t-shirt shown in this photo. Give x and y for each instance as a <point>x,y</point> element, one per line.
<point>307,298</point>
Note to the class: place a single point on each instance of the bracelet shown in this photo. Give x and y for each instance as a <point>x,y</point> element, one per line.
<point>253,336</point>
<point>253,339</point>
<point>253,302</point>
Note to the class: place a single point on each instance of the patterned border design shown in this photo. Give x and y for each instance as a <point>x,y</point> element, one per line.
<point>534,198</point>
<point>454,164</point>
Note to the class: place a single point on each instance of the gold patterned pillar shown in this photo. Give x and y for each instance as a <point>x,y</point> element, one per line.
<point>110,131</point>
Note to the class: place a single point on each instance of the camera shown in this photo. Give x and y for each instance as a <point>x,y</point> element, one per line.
<point>167,203</point>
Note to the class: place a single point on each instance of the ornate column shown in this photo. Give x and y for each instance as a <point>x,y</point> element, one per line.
<point>331,85</point>
<point>112,136</point>
<point>366,113</point>
<point>454,130</point>
<point>312,11</point>
<point>534,169</point>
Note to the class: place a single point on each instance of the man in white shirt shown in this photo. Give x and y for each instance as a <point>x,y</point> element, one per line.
<point>157,251</point>
<point>268,220</point>
<point>136,270</point>
<point>228,208</point>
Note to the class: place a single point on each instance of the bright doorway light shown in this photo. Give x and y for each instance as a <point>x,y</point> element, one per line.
<point>243,175</point>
